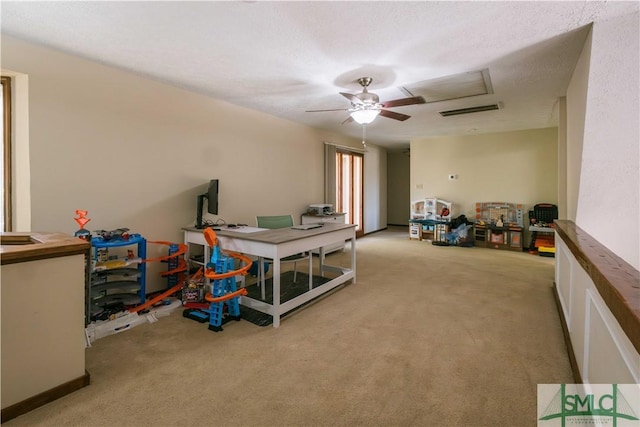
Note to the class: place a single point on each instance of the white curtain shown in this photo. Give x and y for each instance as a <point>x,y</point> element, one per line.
<point>330,174</point>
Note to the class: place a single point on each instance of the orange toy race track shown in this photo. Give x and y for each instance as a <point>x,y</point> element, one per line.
<point>182,267</point>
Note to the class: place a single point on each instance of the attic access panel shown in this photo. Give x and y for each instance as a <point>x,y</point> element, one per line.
<point>455,86</point>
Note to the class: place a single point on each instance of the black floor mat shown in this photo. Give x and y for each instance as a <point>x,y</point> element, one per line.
<point>288,291</point>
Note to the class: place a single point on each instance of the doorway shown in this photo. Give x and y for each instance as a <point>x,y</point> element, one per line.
<point>349,187</point>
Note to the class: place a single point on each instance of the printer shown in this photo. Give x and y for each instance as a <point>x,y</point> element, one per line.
<point>320,209</point>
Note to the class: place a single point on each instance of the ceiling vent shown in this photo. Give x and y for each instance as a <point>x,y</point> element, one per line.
<point>469,110</point>
<point>455,86</point>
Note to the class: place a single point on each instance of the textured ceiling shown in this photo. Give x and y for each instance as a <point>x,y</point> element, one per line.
<point>283,58</point>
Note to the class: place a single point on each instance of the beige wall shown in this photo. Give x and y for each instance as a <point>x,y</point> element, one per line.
<point>398,185</point>
<point>512,167</point>
<point>42,306</point>
<point>135,152</point>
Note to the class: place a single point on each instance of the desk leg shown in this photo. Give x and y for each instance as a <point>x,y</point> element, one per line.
<point>187,255</point>
<point>310,270</point>
<point>321,261</point>
<point>261,279</point>
<point>276,292</point>
<point>353,258</point>
<point>206,258</point>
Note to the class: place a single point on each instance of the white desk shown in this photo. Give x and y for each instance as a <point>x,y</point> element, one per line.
<point>278,244</point>
<point>338,218</point>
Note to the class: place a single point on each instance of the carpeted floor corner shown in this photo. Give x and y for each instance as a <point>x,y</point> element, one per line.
<point>426,336</point>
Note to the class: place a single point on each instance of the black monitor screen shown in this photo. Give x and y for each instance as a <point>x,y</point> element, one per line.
<point>212,202</point>
<point>212,197</point>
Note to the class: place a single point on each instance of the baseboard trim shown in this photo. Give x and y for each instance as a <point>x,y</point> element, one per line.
<point>20,408</point>
<point>567,338</point>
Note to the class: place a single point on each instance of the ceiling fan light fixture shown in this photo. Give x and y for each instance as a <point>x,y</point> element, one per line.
<point>365,116</point>
<point>366,106</point>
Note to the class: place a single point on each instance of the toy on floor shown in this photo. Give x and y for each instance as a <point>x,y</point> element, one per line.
<point>151,310</point>
<point>127,319</point>
<point>220,270</point>
<point>193,291</point>
<point>120,318</point>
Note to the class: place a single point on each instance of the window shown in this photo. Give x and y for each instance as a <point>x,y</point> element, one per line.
<point>349,189</point>
<point>344,182</point>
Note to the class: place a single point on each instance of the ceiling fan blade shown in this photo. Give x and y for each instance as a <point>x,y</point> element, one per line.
<point>348,120</point>
<point>393,115</point>
<point>351,97</point>
<point>320,111</point>
<point>404,101</point>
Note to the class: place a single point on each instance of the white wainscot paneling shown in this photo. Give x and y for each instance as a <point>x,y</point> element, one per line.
<point>604,354</point>
<point>610,357</point>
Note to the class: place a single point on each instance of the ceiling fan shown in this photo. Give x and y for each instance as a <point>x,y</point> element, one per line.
<point>366,106</point>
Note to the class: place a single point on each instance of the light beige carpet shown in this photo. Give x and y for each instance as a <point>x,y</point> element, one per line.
<point>428,336</point>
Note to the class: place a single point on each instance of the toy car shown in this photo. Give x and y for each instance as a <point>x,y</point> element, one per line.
<point>119,233</point>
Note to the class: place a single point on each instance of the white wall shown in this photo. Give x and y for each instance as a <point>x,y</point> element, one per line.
<point>511,167</point>
<point>135,152</point>
<point>562,158</point>
<point>575,115</point>
<point>608,205</point>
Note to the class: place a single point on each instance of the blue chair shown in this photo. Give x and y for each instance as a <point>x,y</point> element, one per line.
<point>273,222</point>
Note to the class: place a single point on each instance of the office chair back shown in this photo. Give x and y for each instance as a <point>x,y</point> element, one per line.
<point>274,221</point>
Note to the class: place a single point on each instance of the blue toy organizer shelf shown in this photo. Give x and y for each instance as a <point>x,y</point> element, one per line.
<point>120,278</point>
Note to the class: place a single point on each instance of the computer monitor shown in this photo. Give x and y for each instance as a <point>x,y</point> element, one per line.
<point>212,202</point>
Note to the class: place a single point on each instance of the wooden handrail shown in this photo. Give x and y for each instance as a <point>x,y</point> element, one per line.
<point>24,247</point>
<point>616,280</point>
